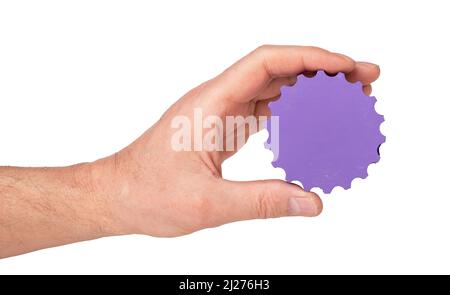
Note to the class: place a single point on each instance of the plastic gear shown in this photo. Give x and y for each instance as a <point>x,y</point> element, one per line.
<point>328,131</point>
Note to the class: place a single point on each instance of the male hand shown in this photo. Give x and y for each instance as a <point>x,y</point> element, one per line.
<point>158,191</point>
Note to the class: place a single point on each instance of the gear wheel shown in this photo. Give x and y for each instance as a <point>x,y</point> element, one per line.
<point>328,131</point>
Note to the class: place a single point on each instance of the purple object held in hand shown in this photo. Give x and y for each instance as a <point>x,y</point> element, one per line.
<point>328,131</point>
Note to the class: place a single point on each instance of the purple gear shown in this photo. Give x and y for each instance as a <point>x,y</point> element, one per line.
<point>328,131</point>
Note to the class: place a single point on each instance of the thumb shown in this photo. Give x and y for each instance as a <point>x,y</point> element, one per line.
<point>267,199</point>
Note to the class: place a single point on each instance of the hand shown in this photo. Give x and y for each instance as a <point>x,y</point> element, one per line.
<point>152,189</point>
<point>149,187</point>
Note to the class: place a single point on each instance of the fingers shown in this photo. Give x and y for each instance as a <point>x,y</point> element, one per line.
<point>367,89</point>
<point>364,72</point>
<point>266,199</point>
<point>247,77</point>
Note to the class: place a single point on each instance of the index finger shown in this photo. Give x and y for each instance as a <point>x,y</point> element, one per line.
<point>243,80</point>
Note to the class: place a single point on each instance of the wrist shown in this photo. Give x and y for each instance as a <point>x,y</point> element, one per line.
<point>104,184</point>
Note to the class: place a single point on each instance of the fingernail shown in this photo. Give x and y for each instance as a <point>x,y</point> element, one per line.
<point>367,64</point>
<point>301,207</point>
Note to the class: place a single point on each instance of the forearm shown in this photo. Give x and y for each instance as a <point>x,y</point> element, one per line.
<point>46,207</point>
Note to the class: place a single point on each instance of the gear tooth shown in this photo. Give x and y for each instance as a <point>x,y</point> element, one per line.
<point>350,185</point>
<point>347,186</point>
<point>357,86</point>
<point>381,138</point>
<point>341,75</point>
<point>364,175</point>
<point>307,188</point>
<point>380,118</point>
<point>372,100</point>
<point>345,183</point>
<point>328,190</point>
<point>285,89</point>
<point>317,74</point>
<point>320,74</point>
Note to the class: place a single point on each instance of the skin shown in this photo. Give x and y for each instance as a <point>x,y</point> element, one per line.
<point>148,188</point>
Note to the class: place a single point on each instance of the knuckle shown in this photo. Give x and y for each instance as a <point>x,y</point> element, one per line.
<point>314,48</point>
<point>264,47</point>
<point>267,205</point>
<point>263,50</point>
<point>262,53</point>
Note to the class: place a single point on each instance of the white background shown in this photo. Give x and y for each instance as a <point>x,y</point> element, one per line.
<point>80,80</point>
